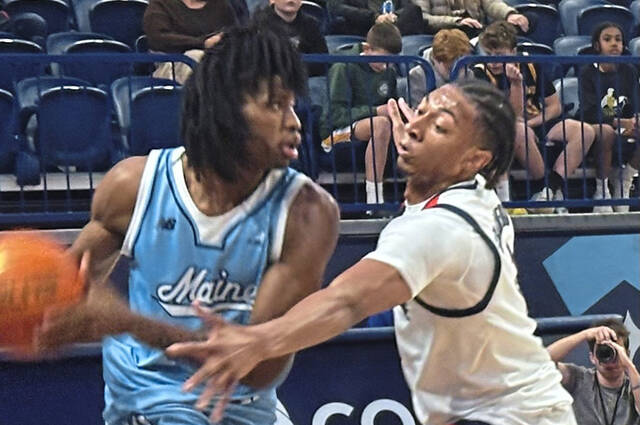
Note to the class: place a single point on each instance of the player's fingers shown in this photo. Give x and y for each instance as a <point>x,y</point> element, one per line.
<point>210,390</point>
<point>211,320</point>
<point>196,350</point>
<point>396,119</point>
<point>207,370</point>
<point>218,412</point>
<point>83,271</point>
<point>407,111</point>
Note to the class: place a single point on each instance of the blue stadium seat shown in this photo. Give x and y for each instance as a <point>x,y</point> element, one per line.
<point>142,44</point>
<point>29,91</point>
<point>571,45</point>
<point>343,49</point>
<point>81,10</point>
<point>74,128</point>
<point>335,41</point>
<point>55,12</point>
<point>634,46</point>
<point>97,73</point>
<point>569,10</point>
<point>123,90</point>
<point>422,49</point>
<point>547,22</point>
<point>155,119</point>
<point>534,48</point>
<point>8,145</point>
<point>590,17</point>
<point>59,42</point>
<point>314,9</point>
<point>411,44</point>
<point>634,8</point>
<point>567,89</point>
<point>11,73</point>
<point>121,19</point>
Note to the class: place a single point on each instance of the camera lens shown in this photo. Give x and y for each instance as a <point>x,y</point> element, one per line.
<point>605,353</point>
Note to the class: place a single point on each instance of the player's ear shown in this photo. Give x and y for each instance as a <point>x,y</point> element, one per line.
<point>477,159</point>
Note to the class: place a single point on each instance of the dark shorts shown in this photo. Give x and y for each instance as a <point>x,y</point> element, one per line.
<point>542,130</point>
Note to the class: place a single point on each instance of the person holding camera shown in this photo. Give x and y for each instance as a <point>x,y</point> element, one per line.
<point>609,393</point>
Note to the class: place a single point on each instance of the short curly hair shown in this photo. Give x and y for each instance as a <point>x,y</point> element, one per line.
<point>499,35</point>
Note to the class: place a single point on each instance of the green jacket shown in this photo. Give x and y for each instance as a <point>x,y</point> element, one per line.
<point>355,90</point>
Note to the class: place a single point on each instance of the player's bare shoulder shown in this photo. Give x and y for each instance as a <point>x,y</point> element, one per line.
<point>313,206</point>
<point>115,196</point>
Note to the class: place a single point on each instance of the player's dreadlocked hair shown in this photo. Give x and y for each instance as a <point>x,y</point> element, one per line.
<point>497,119</point>
<point>214,129</point>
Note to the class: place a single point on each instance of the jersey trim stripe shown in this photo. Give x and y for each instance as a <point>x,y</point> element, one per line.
<point>147,183</point>
<point>484,302</point>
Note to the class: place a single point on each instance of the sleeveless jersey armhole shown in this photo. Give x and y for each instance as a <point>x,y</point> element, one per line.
<point>142,199</point>
<point>281,224</point>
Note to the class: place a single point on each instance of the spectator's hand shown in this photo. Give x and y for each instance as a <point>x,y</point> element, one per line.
<point>513,73</point>
<point>625,361</point>
<point>397,123</point>
<point>470,22</point>
<point>600,334</point>
<point>389,18</point>
<point>213,40</point>
<point>519,20</point>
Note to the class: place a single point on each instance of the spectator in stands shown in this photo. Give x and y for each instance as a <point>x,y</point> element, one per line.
<point>609,392</point>
<point>610,97</point>
<point>358,95</point>
<point>469,16</point>
<point>185,26</point>
<point>499,39</point>
<point>357,16</point>
<point>448,46</point>
<point>303,30</point>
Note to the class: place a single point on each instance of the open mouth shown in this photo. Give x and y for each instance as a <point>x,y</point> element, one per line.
<point>290,150</point>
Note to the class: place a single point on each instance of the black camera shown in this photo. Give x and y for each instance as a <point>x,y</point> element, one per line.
<point>606,354</point>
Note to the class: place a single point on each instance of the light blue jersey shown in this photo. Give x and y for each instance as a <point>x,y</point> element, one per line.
<point>179,255</point>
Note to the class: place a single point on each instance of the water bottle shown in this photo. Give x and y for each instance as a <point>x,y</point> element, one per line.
<point>387,7</point>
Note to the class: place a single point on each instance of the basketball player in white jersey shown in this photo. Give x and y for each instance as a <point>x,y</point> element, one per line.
<point>221,221</point>
<point>466,343</point>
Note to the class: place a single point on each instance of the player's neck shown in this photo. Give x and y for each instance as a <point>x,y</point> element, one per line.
<point>420,189</point>
<point>213,195</point>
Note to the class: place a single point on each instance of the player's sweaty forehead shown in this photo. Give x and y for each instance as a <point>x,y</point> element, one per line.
<point>450,100</point>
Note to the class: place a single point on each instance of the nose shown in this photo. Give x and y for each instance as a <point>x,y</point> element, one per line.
<point>291,120</point>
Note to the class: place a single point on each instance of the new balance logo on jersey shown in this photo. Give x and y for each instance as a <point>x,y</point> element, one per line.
<point>215,295</point>
<point>167,224</point>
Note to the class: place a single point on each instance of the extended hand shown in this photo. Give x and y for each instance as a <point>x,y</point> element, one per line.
<point>387,17</point>
<point>600,334</point>
<point>228,355</point>
<point>513,73</point>
<point>519,20</point>
<point>397,124</point>
<point>470,22</point>
<point>97,315</point>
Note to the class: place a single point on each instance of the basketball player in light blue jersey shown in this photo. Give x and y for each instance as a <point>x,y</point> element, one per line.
<point>221,222</point>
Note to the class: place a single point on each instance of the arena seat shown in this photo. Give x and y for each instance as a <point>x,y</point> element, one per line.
<point>98,73</point>
<point>547,22</point>
<point>568,91</point>
<point>123,91</point>
<point>570,45</point>
<point>11,73</point>
<point>254,5</point>
<point>634,8</point>
<point>318,12</point>
<point>334,41</point>
<point>634,46</point>
<point>55,12</point>
<point>411,44</point>
<point>590,17</point>
<point>74,128</point>
<point>120,19</point>
<point>81,10</point>
<point>57,43</point>
<point>154,119</point>
<point>569,10</point>
<point>8,145</point>
<point>29,91</point>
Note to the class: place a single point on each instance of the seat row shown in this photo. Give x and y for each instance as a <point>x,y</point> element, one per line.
<point>119,19</point>
<point>67,122</point>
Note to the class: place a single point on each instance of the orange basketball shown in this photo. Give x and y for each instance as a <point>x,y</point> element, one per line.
<point>35,274</point>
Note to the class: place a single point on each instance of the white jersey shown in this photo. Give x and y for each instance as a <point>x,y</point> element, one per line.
<point>465,340</point>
